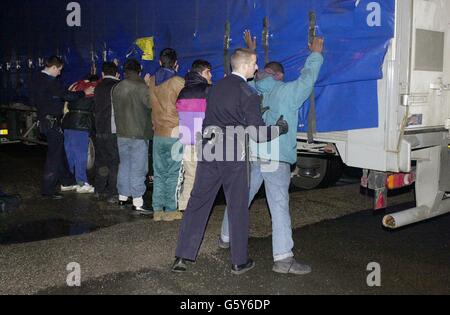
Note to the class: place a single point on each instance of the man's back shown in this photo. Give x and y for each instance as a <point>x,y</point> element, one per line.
<point>80,112</point>
<point>286,99</point>
<point>191,106</point>
<point>195,87</point>
<point>232,103</point>
<point>131,101</point>
<point>45,95</point>
<point>102,109</point>
<point>163,98</point>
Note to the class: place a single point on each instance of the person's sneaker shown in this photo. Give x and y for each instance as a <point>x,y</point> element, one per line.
<point>289,265</point>
<point>158,215</point>
<point>172,215</point>
<point>223,244</point>
<point>85,189</point>
<point>55,196</point>
<point>142,210</point>
<point>240,269</point>
<point>179,265</point>
<point>69,188</point>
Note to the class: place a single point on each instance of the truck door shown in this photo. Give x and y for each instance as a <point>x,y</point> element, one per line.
<point>430,64</point>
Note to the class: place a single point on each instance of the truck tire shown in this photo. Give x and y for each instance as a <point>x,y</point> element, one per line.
<point>329,170</point>
<point>91,155</point>
<point>335,169</point>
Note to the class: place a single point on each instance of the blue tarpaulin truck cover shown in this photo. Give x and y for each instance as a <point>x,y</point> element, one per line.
<point>357,34</point>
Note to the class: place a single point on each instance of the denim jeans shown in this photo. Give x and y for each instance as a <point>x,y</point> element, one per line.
<point>76,143</point>
<point>276,177</point>
<point>133,167</point>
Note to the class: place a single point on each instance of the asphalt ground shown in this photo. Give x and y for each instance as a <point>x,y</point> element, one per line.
<point>413,260</point>
<point>120,253</point>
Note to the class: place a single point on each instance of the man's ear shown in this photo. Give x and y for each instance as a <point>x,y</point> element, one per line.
<point>279,76</point>
<point>160,63</point>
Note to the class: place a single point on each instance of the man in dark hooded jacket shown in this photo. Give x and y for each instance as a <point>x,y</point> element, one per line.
<point>191,107</point>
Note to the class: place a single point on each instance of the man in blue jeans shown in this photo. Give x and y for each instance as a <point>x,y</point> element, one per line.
<point>78,125</point>
<point>274,160</point>
<point>132,113</point>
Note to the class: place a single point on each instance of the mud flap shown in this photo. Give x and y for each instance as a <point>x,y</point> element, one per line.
<point>9,203</point>
<point>380,200</point>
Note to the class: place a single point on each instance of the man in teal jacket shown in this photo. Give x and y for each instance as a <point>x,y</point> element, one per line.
<point>272,161</point>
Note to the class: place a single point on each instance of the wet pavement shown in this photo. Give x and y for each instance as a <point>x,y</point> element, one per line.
<point>413,261</point>
<point>45,229</point>
<point>39,219</point>
<point>121,253</point>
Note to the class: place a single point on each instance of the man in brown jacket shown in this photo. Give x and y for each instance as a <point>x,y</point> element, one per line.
<point>164,87</point>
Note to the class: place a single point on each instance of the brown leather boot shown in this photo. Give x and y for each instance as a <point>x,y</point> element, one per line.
<point>158,215</point>
<point>172,215</point>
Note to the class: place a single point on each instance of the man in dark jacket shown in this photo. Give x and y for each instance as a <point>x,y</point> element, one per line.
<point>231,106</point>
<point>273,161</point>
<point>48,96</point>
<point>106,151</point>
<point>191,107</point>
<point>132,112</point>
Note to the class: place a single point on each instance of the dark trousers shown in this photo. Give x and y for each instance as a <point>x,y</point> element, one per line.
<point>210,176</point>
<point>56,167</point>
<point>106,164</point>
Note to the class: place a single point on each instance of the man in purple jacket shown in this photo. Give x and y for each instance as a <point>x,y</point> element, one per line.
<point>191,107</point>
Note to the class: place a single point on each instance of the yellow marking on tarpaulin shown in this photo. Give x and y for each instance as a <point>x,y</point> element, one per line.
<point>146,44</point>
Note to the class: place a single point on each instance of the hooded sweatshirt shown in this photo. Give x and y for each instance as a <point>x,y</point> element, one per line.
<point>191,107</point>
<point>285,99</point>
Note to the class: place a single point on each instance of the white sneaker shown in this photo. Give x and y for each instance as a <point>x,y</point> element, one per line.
<point>85,189</point>
<point>69,188</point>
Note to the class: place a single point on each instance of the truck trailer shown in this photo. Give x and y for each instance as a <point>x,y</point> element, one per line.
<point>410,143</point>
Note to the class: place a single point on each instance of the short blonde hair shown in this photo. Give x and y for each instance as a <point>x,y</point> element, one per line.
<point>241,56</point>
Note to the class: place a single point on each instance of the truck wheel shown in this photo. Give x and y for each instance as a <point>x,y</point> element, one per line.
<point>335,169</point>
<point>91,155</point>
<point>314,172</point>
